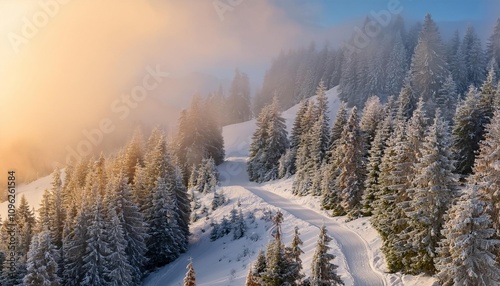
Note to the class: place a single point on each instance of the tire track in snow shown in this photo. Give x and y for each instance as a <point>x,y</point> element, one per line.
<point>354,248</point>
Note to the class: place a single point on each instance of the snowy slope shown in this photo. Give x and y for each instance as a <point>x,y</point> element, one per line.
<point>237,137</point>
<point>32,191</point>
<point>225,261</point>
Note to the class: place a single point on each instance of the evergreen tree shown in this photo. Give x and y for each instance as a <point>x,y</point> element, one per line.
<point>42,262</point>
<point>467,132</point>
<point>56,212</point>
<point>199,136</point>
<point>218,200</point>
<point>208,175</point>
<point>351,165</point>
<point>269,143</point>
<point>487,98</point>
<point>238,101</point>
<point>388,216</point>
<point>376,153</point>
<point>473,58</point>
<point>493,46</point>
<point>119,200</point>
<point>406,101</point>
<point>256,271</point>
<point>323,272</point>
<point>298,129</point>
<point>486,172</point>
<point>190,279</point>
<point>434,187</point>
<point>456,63</point>
<point>337,128</point>
<point>94,265</point>
<point>467,252</point>
<point>396,66</point>
<point>447,98</point>
<point>292,254</point>
<point>74,245</point>
<point>371,116</point>
<point>119,269</point>
<point>323,120</point>
<point>165,242</point>
<point>279,269</point>
<point>428,66</point>
<point>133,155</point>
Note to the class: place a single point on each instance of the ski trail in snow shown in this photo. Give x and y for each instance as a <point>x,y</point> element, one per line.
<point>354,248</point>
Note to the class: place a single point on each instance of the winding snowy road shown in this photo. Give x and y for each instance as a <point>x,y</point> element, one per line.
<point>353,247</point>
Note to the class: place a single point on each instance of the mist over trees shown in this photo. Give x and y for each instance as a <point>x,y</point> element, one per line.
<point>414,145</point>
<point>420,158</point>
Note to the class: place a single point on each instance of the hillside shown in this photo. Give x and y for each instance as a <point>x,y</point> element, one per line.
<point>225,261</point>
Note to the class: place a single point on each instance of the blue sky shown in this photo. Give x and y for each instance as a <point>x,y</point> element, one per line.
<point>332,12</point>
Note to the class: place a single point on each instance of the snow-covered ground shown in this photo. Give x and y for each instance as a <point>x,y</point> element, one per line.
<point>356,244</point>
<point>32,191</point>
<point>225,262</point>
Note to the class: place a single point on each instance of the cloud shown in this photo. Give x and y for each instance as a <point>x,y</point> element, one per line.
<point>62,80</point>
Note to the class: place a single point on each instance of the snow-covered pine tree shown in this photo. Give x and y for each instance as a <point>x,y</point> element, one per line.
<point>133,155</point>
<point>192,183</point>
<point>251,279</point>
<point>434,187</point>
<point>42,261</point>
<point>190,279</point>
<point>56,210</point>
<point>199,136</point>
<point>182,205</point>
<point>74,244</point>
<point>428,66</point>
<point>119,270</point>
<point>487,172</point>
<point>238,100</point>
<point>447,98</point>
<point>493,45</point>
<point>406,101</point>
<point>392,198</point>
<point>456,63</point>
<point>25,225</point>
<point>269,143</point>
<point>94,264</point>
<point>348,86</point>
<point>120,200</point>
<point>473,58</point>
<point>208,175</point>
<point>286,166</point>
<point>323,120</point>
<point>388,217</point>
<point>238,224</point>
<point>467,252</point>
<point>256,270</point>
<point>396,67</point>
<point>323,272</point>
<point>376,153</point>
<point>336,129</point>
<point>218,200</point>
<point>412,39</point>
<point>297,130</point>
<point>371,116</point>
<point>496,102</point>
<point>165,241</point>
<point>292,254</point>
<point>277,265</point>
<point>351,165</point>
<point>467,131</point>
<point>487,100</point>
